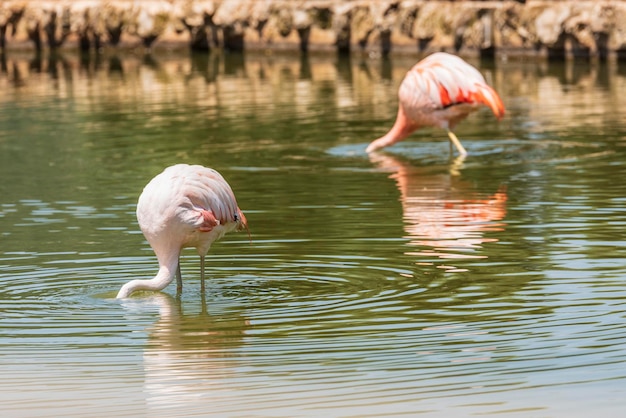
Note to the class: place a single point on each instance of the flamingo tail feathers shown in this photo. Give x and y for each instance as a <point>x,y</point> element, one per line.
<point>243,224</point>
<point>488,96</point>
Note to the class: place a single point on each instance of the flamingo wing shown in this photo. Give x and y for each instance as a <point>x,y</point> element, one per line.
<point>198,197</point>
<point>442,80</point>
<point>206,198</point>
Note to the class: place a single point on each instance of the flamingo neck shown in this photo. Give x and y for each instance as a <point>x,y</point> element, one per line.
<point>165,275</point>
<point>402,128</point>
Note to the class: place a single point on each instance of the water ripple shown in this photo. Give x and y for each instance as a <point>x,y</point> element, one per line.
<point>402,283</point>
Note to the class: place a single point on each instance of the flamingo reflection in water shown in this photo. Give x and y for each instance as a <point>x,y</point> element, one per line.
<point>442,213</point>
<point>190,356</point>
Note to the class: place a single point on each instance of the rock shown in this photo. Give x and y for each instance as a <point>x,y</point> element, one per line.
<point>549,24</point>
<point>567,27</point>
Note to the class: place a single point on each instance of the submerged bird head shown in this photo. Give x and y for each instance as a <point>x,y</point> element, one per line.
<point>402,128</point>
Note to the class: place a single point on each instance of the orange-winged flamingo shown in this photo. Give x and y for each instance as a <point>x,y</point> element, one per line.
<point>440,91</point>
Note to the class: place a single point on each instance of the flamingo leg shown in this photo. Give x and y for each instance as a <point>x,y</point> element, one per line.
<point>202,274</point>
<point>179,280</point>
<point>456,142</point>
<point>456,164</point>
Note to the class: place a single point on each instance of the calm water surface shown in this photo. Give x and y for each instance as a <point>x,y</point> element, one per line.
<point>405,283</point>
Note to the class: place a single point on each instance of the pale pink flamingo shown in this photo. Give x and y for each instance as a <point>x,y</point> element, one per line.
<point>440,91</point>
<point>184,206</point>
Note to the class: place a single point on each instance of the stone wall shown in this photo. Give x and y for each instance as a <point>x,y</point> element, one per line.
<point>565,28</point>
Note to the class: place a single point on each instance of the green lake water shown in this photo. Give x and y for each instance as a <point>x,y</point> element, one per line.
<point>403,283</point>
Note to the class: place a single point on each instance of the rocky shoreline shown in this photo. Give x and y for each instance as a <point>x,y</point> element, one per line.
<point>553,29</point>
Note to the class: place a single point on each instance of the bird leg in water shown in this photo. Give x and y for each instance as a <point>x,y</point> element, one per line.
<point>202,274</point>
<point>456,142</point>
<point>456,164</point>
<point>179,280</point>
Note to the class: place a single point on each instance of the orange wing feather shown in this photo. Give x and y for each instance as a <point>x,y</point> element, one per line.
<point>448,80</point>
